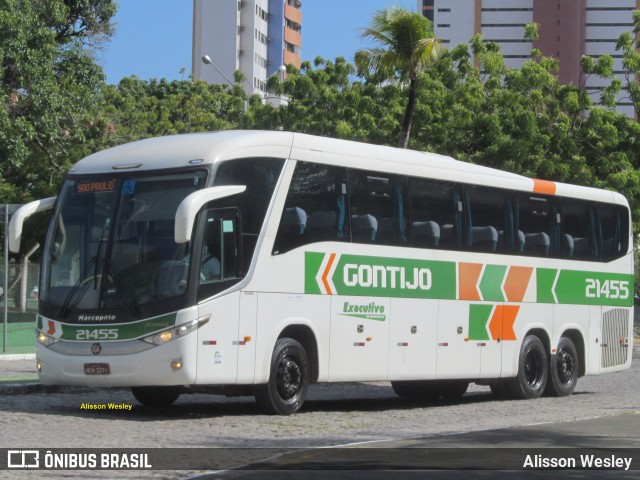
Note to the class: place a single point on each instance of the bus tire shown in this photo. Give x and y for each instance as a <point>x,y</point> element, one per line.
<point>564,368</point>
<point>533,370</point>
<point>414,389</point>
<point>452,389</point>
<point>500,389</point>
<point>156,397</point>
<point>288,383</point>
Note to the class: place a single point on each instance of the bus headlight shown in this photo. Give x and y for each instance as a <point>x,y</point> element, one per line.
<point>160,338</point>
<point>44,339</point>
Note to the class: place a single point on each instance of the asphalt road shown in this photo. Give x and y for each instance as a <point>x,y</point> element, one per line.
<point>604,412</point>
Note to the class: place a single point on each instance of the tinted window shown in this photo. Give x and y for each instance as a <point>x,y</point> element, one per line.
<point>580,230</point>
<point>260,176</point>
<point>436,215</point>
<point>490,220</point>
<point>613,232</point>
<point>315,209</point>
<point>378,208</point>
<point>539,227</point>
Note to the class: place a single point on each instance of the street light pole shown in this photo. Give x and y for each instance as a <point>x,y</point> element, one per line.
<point>206,59</point>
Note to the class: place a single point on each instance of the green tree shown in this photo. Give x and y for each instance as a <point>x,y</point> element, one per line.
<point>49,84</point>
<point>404,47</point>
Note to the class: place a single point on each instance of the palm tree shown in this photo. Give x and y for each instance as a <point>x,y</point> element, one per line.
<point>404,46</point>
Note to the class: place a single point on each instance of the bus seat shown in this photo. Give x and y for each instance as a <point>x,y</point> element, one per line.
<point>537,243</point>
<point>521,241</point>
<point>581,246</point>
<point>426,234</point>
<point>484,238</point>
<point>447,236</point>
<point>294,221</point>
<point>364,228</point>
<point>569,245</point>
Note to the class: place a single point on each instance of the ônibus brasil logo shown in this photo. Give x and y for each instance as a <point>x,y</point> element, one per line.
<point>342,274</point>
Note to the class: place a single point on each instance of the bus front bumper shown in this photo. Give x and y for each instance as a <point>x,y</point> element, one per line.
<point>170,364</point>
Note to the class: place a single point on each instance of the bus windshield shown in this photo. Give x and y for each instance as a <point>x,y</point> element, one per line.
<point>111,242</point>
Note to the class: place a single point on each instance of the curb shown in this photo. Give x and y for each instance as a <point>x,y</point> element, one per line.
<point>17,356</point>
<point>37,388</point>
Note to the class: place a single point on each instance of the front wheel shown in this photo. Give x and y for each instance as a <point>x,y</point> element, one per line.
<point>288,383</point>
<point>156,397</point>
<point>563,369</point>
<point>533,370</point>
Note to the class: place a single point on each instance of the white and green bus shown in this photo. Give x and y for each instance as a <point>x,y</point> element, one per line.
<point>262,262</point>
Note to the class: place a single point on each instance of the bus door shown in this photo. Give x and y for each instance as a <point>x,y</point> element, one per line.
<point>359,346</point>
<point>226,342</point>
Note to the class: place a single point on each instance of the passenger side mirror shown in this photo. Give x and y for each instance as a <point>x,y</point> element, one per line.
<point>191,205</point>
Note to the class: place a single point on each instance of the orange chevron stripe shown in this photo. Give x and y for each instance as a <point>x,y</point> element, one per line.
<point>468,275</point>
<point>517,282</point>
<point>495,324</point>
<point>52,327</point>
<point>502,320</point>
<point>509,314</point>
<point>325,274</point>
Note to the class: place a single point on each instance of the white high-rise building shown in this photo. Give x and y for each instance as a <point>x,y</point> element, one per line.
<point>255,37</point>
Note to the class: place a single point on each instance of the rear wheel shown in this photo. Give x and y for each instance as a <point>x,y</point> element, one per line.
<point>452,389</point>
<point>414,390</point>
<point>156,397</point>
<point>533,370</point>
<point>500,389</point>
<point>430,390</point>
<point>563,369</point>
<point>288,383</point>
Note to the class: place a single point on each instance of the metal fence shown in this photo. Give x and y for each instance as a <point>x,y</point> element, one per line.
<point>19,307</point>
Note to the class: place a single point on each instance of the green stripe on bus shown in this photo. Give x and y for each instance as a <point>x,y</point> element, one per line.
<point>125,331</point>
<point>584,288</point>
<point>479,316</point>
<point>491,283</point>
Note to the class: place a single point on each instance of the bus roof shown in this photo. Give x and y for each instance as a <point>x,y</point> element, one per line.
<point>187,150</point>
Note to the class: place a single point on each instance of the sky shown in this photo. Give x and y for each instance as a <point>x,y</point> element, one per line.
<point>153,37</point>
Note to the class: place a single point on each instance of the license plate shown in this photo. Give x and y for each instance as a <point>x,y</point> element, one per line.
<point>97,369</point>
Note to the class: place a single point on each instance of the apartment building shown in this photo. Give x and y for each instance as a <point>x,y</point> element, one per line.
<point>568,29</point>
<point>256,37</point>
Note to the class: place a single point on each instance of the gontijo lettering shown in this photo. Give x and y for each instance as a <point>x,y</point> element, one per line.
<point>359,275</point>
<point>381,276</point>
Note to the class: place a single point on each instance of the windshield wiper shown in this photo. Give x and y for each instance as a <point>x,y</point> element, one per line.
<point>103,237</point>
<point>66,305</point>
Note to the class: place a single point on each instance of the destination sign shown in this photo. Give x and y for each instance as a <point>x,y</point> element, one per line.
<point>98,186</point>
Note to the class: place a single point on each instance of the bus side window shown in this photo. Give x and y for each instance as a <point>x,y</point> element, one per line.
<point>436,215</point>
<point>538,231</point>
<point>579,221</point>
<point>377,208</point>
<point>490,220</point>
<point>613,231</point>
<point>221,255</point>
<point>315,209</point>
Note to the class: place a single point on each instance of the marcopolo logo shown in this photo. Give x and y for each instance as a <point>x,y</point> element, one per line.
<point>342,274</point>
